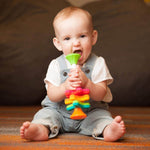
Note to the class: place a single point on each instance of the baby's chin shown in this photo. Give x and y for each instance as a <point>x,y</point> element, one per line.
<point>81,61</point>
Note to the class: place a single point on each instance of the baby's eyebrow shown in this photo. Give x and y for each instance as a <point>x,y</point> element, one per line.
<point>84,32</point>
<point>64,36</point>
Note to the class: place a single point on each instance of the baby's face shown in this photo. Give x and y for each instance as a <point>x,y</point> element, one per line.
<point>75,35</point>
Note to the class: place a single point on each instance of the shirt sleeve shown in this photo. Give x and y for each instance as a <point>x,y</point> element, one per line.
<point>101,73</point>
<point>52,74</point>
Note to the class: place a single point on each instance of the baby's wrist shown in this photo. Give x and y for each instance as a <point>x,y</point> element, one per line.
<point>87,84</point>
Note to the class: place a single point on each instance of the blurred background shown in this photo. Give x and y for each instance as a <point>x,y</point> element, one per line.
<point>26,47</point>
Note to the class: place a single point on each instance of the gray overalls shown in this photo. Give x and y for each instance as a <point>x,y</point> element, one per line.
<point>57,118</point>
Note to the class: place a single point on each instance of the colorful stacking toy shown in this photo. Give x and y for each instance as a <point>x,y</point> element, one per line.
<point>75,99</point>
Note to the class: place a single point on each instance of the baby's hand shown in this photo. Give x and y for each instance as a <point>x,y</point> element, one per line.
<point>73,81</point>
<point>74,78</point>
<point>83,78</point>
<point>78,75</point>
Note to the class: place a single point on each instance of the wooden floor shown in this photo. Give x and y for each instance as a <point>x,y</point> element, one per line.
<point>137,137</point>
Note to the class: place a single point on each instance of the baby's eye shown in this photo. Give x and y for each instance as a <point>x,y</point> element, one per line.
<point>67,38</point>
<point>82,36</point>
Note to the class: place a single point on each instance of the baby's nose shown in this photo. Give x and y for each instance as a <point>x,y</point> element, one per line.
<point>76,42</point>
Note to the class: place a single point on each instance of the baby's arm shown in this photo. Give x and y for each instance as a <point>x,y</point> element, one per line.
<point>97,91</point>
<point>57,93</point>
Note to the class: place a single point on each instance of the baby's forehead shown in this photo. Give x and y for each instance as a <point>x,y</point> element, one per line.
<point>71,12</point>
<point>77,15</point>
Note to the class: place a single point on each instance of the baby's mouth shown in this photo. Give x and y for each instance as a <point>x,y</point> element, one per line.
<point>78,52</point>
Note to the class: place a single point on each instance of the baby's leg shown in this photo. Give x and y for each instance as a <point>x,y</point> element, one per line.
<point>115,130</point>
<point>45,125</point>
<point>34,132</point>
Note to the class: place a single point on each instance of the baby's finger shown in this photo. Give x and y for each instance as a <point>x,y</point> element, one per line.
<point>76,84</point>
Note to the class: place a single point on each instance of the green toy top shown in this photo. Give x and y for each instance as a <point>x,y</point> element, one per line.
<point>73,58</point>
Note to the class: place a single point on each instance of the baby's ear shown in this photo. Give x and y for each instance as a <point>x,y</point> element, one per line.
<point>57,44</point>
<point>94,37</point>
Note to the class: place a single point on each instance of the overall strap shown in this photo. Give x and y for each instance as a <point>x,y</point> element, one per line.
<point>92,59</point>
<point>89,65</point>
<point>63,68</point>
<point>61,61</point>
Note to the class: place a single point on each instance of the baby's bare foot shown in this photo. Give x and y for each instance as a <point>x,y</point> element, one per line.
<point>115,130</point>
<point>33,132</point>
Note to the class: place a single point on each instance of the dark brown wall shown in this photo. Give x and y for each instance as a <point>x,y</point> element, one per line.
<point>26,48</point>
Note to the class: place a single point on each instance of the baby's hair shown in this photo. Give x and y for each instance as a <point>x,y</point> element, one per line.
<point>68,11</point>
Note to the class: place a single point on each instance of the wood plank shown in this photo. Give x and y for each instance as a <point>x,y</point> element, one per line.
<point>137,137</point>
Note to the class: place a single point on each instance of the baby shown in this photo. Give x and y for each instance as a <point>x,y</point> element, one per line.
<point>75,34</point>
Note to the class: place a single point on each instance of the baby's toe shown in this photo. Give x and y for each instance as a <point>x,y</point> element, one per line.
<point>26,124</point>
